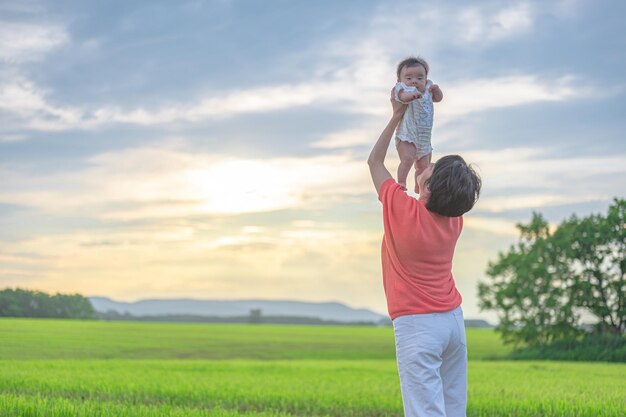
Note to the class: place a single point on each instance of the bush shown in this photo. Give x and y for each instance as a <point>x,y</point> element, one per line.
<point>590,348</point>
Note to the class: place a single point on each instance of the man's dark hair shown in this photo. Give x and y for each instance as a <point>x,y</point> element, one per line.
<point>454,187</point>
<point>412,62</point>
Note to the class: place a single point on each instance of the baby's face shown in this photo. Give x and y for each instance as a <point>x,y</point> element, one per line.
<point>414,77</point>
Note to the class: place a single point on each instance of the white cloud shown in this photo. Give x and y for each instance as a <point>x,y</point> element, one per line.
<point>254,100</point>
<point>20,96</point>
<point>477,25</point>
<point>20,42</point>
<point>514,19</point>
<point>473,96</point>
<point>23,100</point>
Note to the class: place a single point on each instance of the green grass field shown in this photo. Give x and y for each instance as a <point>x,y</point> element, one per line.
<point>58,368</point>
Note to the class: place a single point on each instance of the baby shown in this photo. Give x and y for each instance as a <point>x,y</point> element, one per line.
<point>413,133</point>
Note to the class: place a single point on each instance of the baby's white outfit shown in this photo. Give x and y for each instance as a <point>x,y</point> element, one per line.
<point>417,123</point>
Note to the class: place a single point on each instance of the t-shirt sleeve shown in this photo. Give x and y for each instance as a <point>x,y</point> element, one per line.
<point>387,189</point>
<point>398,206</point>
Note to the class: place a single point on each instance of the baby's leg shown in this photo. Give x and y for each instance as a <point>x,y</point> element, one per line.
<point>420,165</point>
<point>406,152</point>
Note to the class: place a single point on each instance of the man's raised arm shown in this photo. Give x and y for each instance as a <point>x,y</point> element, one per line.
<point>376,160</point>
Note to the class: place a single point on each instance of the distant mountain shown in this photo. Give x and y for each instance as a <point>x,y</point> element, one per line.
<point>325,311</point>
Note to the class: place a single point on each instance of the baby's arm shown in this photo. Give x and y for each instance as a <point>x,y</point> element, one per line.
<point>436,93</point>
<point>406,94</point>
<point>406,97</point>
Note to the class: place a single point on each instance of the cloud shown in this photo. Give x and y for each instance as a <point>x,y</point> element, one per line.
<point>232,103</point>
<point>150,260</point>
<point>464,97</point>
<point>12,137</point>
<point>524,178</point>
<point>29,103</point>
<point>474,25</point>
<point>23,42</point>
<point>26,106</point>
<point>151,182</point>
<point>474,96</point>
<point>173,181</point>
<point>467,97</point>
<point>352,73</point>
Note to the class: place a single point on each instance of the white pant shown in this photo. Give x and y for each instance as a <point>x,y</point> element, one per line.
<point>432,363</point>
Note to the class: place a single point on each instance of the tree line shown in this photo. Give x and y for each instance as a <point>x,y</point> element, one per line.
<point>26,303</point>
<point>255,317</point>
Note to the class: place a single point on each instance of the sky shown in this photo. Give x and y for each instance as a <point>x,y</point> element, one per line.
<point>217,149</point>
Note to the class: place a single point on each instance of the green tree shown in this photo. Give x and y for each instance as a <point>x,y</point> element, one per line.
<point>542,284</point>
<point>595,248</point>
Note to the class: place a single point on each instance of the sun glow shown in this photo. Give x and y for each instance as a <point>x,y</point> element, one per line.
<point>243,186</point>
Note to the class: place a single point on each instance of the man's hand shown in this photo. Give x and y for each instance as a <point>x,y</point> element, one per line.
<point>436,93</point>
<point>398,107</point>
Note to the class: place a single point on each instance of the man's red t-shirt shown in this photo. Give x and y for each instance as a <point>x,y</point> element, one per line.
<point>417,252</point>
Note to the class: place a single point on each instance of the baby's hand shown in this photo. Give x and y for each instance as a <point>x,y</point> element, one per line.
<point>405,97</point>
<point>436,92</point>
